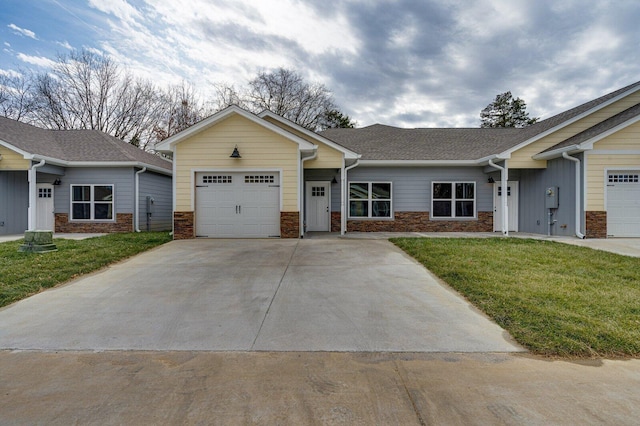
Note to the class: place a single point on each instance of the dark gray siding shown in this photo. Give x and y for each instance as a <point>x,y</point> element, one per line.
<point>533,184</point>
<point>159,187</point>
<point>120,177</point>
<point>411,186</point>
<point>14,202</point>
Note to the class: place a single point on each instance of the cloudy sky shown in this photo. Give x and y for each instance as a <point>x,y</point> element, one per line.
<point>407,63</point>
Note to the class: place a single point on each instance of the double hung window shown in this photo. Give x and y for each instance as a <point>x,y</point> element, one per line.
<point>370,199</point>
<point>92,202</point>
<point>453,200</point>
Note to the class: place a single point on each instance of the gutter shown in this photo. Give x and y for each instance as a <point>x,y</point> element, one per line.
<point>137,200</point>
<point>343,188</point>
<point>504,171</point>
<point>578,198</point>
<point>301,193</point>
<point>32,195</point>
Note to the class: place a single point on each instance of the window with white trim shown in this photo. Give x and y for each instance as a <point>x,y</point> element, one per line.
<point>453,199</point>
<point>92,202</point>
<point>624,178</point>
<point>370,199</point>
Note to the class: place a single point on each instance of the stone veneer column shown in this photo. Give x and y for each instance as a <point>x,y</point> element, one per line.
<point>183,225</point>
<point>289,225</point>
<point>596,224</point>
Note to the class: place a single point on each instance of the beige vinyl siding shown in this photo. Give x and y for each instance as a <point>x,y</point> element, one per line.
<point>260,148</point>
<point>625,139</point>
<point>327,157</point>
<point>12,160</point>
<point>521,159</point>
<point>596,179</point>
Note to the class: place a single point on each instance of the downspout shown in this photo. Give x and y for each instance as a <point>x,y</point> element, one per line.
<point>343,188</point>
<point>578,198</point>
<point>504,171</point>
<point>137,202</point>
<point>302,189</point>
<point>31,221</point>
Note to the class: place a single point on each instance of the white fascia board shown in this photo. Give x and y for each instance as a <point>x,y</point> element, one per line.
<point>571,121</point>
<point>557,152</point>
<point>168,144</point>
<point>82,164</point>
<point>418,163</point>
<point>348,154</point>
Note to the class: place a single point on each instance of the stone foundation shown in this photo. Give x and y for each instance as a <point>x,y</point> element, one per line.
<point>335,221</point>
<point>420,222</point>
<point>289,225</point>
<point>596,224</point>
<point>183,225</point>
<point>123,223</point>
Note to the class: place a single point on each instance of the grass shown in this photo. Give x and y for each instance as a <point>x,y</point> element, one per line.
<point>554,299</point>
<point>24,274</point>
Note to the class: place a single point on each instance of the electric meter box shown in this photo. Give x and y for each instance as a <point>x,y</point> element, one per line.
<point>551,198</point>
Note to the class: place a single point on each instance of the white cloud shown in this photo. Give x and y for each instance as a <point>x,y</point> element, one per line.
<point>10,73</point>
<point>23,31</point>
<point>64,44</point>
<point>40,61</point>
<point>118,8</point>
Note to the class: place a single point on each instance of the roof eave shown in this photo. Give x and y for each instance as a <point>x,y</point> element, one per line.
<point>65,163</point>
<point>348,154</point>
<point>571,120</point>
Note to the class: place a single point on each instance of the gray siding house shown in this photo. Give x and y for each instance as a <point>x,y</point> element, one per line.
<point>79,181</point>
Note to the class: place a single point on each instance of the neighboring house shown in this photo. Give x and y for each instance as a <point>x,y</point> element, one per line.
<point>237,174</point>
<point>79,181</point>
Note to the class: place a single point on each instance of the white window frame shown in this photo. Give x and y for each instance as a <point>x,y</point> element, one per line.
<point>370,200</point>
<point>92,202</point>
<point>453,200</point>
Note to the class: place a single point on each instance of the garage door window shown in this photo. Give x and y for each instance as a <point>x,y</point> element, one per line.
<point>259,179</point>
<point>217,179</point>
<point>91,202</point>
<point>623,178</point>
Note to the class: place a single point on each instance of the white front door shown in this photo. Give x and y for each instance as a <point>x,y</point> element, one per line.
<point>512,205</point>
<point>318,206</point>
<point>623,204</point>
<point>44,207</point>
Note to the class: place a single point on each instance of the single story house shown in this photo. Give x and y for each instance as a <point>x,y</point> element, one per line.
<point>79,181</point>
<point>237,174</point>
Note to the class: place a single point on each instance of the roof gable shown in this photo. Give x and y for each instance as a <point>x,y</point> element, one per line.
<point>168,144</point>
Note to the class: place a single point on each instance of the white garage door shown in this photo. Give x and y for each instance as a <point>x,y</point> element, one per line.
<point>623,204</point>
<point>237,205</point>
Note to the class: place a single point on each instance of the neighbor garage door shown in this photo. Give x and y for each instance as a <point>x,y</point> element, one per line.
<point>237,205</point>
<point>623,204</point>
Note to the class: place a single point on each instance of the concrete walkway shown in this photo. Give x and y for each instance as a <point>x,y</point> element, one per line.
<point>256,295</point>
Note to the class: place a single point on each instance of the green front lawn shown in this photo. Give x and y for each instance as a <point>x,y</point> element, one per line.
<point>24,274</point>
<point>554,299</point>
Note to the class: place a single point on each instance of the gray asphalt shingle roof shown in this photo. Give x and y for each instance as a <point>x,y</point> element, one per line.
<point>380,142</point>
<point>75,145</point>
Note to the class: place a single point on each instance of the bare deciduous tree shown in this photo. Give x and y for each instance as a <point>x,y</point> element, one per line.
<point>85,90</point>
<point>287,94</point>
<point>16,97</point>
<point>181,108</point>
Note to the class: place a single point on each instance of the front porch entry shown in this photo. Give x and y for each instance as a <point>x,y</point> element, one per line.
<point>317,206</point>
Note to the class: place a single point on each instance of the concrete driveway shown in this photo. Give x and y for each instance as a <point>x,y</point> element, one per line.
<point>255,295</point>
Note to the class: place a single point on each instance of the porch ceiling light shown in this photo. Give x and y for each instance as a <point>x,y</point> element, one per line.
<point>235,153</point>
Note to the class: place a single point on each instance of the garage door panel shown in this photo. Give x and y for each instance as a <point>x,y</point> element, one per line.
<point>238,205</point>
<point>623,204</point>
